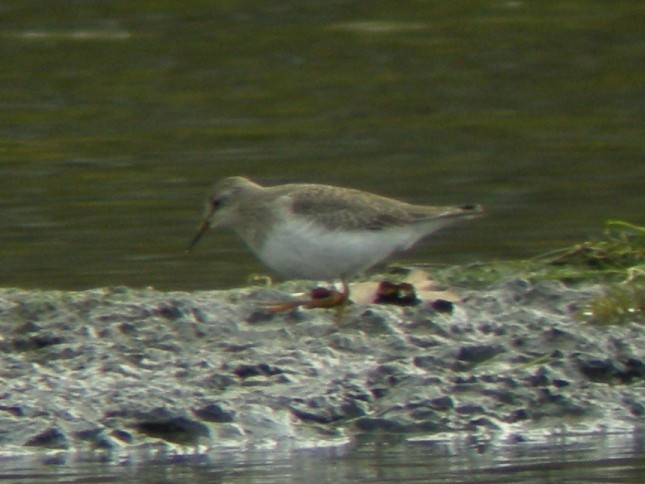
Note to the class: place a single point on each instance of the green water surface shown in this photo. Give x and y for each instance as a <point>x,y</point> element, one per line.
<point>117,116</point>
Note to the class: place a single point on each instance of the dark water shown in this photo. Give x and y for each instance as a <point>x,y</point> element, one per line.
<point>600,458</point>
<point>117,116</point>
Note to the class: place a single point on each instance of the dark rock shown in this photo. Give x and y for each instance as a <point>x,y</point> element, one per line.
<point>634,370</point>
<point>442,403</point>
<point>237,348</point>
<point>483,422</point>
<point>378,392</point>
<point>219,382</point>
<point>518,341</point>
<point>123,436</point>
<point>376,424</point>
<point>442,306</point>
<point>538,379</point>
<point>433,362</point>
<point>326,410</point>
<point>36,342</point>
<point>637,409</point>
<point>351,408</point>
<point>469,409</point>
<point>478,353</point>
<point>423,342</point>
<point>427,325</point>
<point>308,415</point>
<point>516,438</point>
<point>51,438</point>
<point>558,383</point>
<point>96,438</point>
<point>128,328</point>
<point>260,316</point>
<point>28,327</point>
<point>517,415</point>
<point>104,444</point>
<point>89,434</point>
<point>215,413</point>
<point>246,371</point>
<point>464,383</point>
<point>555,334</point>
<point>179,430</point>
<point>14,410</point>
<point>386,374</point>
<point>501,395</point>
<point>168,311</point>
<point>596,369</point>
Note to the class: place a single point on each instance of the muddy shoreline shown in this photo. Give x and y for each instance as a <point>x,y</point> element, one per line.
<point>119,368</point>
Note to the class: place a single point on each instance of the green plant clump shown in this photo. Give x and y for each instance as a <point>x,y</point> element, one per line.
<point>619,254</point>
<point>619,305</point>
<point>616,260</point>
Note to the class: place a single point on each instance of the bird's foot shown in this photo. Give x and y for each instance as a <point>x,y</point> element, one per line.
<point>320,297</point>
<point>259,280</point>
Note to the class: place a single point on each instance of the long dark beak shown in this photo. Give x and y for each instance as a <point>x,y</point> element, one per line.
<point>201,230</point>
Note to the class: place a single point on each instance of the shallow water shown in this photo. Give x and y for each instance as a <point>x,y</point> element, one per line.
<point>596,458</point>
<point>117,119</point>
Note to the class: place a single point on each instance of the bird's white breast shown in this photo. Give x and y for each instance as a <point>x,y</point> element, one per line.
<point>301,249</point>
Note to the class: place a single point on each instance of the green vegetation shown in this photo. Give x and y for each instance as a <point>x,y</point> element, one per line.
<point>616,261</point>
<point>620,304</point>
<point>620,255</point>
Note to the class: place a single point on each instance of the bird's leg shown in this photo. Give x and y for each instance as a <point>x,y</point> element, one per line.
<point>340,310</point>
<point>320,298</point>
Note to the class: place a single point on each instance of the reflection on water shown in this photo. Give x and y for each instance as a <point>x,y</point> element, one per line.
<point>599,458</point>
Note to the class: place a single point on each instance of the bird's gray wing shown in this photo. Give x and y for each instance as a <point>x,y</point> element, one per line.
<point>342,208</point>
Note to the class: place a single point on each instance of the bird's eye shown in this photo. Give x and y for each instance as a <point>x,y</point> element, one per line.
<point>216,203</point>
